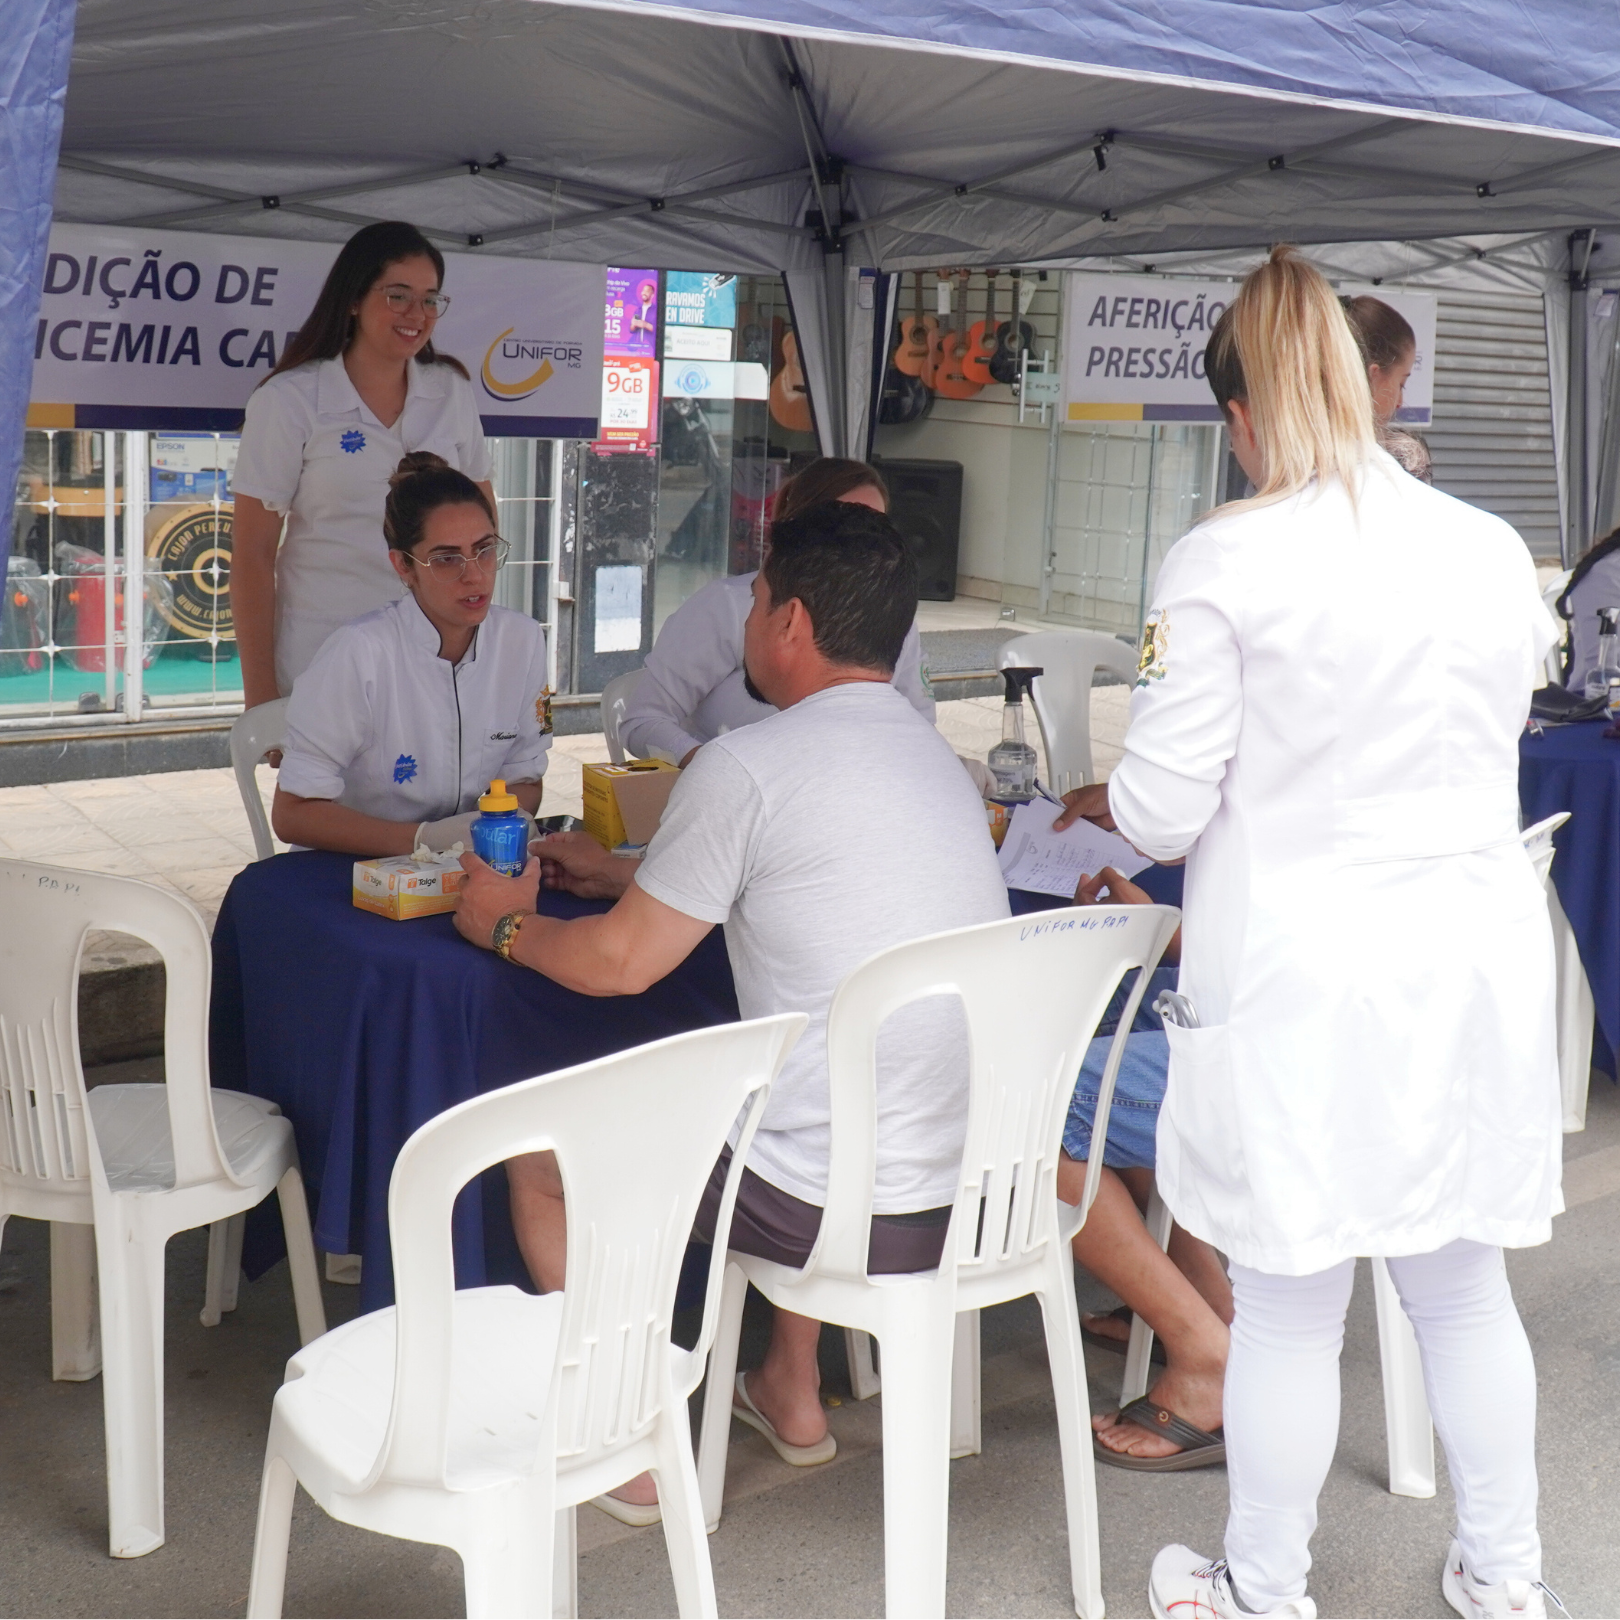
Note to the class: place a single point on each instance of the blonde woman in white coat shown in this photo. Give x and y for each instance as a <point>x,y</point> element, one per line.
<point>1334,678</point>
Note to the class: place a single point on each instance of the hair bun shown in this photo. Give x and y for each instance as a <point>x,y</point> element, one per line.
<point>418,461</point>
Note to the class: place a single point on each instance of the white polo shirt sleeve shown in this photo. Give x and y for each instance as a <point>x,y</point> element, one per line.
<point>701,857</point>
<point>695,651</point>
<point>472,448</point>
<point>329,719</point>
<point>270,461</point>
<point>528,757</point>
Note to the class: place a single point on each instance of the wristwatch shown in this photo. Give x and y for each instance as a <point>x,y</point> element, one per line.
<point>505,933</point>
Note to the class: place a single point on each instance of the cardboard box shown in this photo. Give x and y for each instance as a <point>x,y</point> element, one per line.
<point>400,886</point>
<point>624,803</point>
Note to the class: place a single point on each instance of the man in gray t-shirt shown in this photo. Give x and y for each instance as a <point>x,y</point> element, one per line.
<point>818,837</point>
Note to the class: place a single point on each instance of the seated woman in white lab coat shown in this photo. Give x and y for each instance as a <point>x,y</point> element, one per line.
<point>406,715</point>
<point>694,686</point>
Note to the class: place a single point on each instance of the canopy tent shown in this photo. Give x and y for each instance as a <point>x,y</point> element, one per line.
<point>812,137</point>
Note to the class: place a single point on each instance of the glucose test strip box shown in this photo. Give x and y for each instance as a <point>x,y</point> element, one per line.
<point>624,803</point>
<point>400,886</point>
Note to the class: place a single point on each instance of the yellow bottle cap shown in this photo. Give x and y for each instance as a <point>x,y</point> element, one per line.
<point>497,799</point>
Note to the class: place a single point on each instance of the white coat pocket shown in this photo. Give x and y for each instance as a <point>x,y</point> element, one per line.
<point>1200,1145</point>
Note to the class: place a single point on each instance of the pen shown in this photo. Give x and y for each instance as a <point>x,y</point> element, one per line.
<point>1041,789</point>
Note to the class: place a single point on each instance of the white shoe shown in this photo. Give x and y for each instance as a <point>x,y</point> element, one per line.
<point>1186,1586</point>
<point>1468,1597</point>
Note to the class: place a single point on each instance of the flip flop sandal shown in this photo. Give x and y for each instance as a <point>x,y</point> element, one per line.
<point>636,1514</point>
<point>1199,1448</point>
<point>742,1408</point>
<point>1120,1346</point>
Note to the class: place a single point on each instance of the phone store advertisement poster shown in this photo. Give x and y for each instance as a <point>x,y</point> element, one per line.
<point>1134,347</point>
<point>173,330</point>
<point>630,330</point>
<point>700,298</point>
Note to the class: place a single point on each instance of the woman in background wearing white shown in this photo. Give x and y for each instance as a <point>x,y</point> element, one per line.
<point>358,388</point>
<point>1366,946</point>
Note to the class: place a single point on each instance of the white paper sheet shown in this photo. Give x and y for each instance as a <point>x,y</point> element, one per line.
<point>1034,857</point>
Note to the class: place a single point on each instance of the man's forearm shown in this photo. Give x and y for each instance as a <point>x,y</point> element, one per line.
<point>589,954</point>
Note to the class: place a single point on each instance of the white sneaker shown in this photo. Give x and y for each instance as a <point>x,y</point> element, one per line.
<point>1468,1597</point>
<point>1186,1586</point>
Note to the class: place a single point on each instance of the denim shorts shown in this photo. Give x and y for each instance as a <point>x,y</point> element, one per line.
<point>1133,1117</point>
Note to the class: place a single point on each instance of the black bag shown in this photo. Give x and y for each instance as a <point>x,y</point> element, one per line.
<point>1558,706</point>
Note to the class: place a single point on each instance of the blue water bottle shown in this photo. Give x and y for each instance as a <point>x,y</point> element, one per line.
<point>500,834</point>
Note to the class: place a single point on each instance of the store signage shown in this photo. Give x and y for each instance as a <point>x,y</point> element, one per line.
<point>697,342</point>
<point>699,298</point>
<point>716,379</point>
<point>1134,347</point>
<point>174,330</point>
<point>630,331</point>
<point>629,393</point>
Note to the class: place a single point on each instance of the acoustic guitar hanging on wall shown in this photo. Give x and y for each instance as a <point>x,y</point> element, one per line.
<point>789,398</point>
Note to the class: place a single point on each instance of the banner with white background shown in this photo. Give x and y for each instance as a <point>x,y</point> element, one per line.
<point>175,329</point>
<point>1134,347</point>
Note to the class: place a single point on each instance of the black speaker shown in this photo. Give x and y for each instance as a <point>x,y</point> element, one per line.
<point>925,501</point>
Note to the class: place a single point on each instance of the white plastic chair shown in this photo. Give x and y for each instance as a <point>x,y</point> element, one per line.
<point>1575,1009</point>
<point>1062,693</point>
<point>1554,662</point>
<point>1034,990</point>
<point>1409,1430</point>
<point>477,1419</point>
<point>616,697</point>
<point>255,733</point>
<point>119,1170</point>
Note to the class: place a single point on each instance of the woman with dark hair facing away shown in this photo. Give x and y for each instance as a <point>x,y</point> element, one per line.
<point>1389,347</point>
<point>1369,1064</point>
<point>694,686</point>
<point>359,386</point>
<point>407,714</point>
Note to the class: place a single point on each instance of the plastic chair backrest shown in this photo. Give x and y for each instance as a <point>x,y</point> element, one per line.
<point>635,1135</point>
<point>45,913</point>
<point>1062,693</point>
<point>1034,990</point>
<point>1538,843</point>
<point>1554,661</point>
<point>254,734</point>
<point>616,697</point>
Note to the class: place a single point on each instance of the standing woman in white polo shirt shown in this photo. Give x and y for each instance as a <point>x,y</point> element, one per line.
<point>359,387</point>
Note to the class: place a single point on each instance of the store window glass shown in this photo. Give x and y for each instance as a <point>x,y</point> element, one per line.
<point>63,624</point>
<point>734,422</point>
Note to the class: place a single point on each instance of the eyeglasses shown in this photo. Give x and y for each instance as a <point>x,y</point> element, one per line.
<point>489,554</point>
<point>401,299</point>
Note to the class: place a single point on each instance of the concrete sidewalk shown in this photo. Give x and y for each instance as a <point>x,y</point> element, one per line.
<point>797,1542</point>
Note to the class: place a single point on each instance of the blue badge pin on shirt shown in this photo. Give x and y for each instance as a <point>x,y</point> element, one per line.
<point>353,442</point>
<point>404,768</point>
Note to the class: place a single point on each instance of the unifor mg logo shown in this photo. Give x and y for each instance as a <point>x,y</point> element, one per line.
<point>515,367</point>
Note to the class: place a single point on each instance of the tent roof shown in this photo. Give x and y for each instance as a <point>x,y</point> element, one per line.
<point>644,135</point>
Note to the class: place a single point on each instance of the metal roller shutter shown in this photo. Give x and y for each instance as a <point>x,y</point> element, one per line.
<point>1492,437</point>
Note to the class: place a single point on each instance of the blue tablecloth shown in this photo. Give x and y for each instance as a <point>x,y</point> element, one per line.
<point>361,1029</point>
<point>1575,768</point>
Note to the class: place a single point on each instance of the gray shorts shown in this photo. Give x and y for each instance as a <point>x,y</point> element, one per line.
<point>774,1225</point>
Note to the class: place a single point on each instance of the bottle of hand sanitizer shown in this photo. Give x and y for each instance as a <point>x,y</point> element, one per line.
<point>1012,760</point>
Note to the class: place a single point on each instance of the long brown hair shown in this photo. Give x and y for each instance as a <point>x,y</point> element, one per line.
<point>329,327</point>
<point>1284,348</point>
<point>1385,335</point>
<point>829,479</point>
<point>420,484</point>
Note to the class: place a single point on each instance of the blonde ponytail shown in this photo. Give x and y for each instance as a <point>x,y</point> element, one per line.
<point>1285,349</point>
